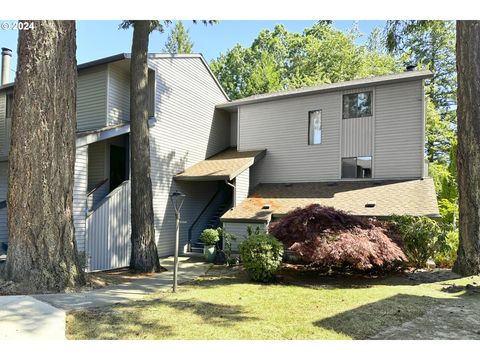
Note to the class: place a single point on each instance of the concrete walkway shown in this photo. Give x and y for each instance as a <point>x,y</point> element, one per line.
<point>43,316</point>
<point>26,318</point>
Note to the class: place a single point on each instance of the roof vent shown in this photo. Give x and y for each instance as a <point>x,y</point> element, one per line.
<point>370,204</point>
<point>332,184</point>
<point>266,207</point>
<point>411,67</point>
<point>288,185</point>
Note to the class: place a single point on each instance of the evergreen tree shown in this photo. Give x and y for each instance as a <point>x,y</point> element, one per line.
<point>178,41</point>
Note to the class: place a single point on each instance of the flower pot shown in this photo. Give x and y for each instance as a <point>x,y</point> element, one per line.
<point>209,252</point>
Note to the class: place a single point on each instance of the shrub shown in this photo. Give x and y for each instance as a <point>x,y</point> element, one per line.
<point>210,237</point>
<point>448,254</point>
<point>421,236</point>
<point>261,255</point>
<point>325,237</point>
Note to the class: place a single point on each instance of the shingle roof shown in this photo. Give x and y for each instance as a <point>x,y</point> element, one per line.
<point>414,197</point>
<point>343,85</point>
<point>225,165</point>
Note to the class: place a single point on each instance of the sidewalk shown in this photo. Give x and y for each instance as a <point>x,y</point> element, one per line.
<point>43,316</point>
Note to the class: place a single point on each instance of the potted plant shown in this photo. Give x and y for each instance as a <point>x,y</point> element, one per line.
<point>209,237</point>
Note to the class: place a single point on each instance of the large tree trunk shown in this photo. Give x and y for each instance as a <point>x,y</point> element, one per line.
<point>468,156</point>
<point>42,253</point>
<point>144,255</point>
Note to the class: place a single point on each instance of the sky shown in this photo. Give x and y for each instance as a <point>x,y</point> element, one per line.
<point>97,39</point>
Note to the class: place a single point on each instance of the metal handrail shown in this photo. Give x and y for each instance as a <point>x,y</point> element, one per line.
<point>190,229</point>
<point>96,187</point>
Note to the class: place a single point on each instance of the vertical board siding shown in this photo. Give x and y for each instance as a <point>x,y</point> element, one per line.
<point>118,94</point>
<point>3,125</point>
<point>239,231</point>
<point>108,231</point>
<point>242,185</point>
<point>92,98</point>
<point>357,137</point>
<point>79,196</point>
<point>3,196</point>
<point>188,130</point>
<point>281,127</point>
<point>399,126</point>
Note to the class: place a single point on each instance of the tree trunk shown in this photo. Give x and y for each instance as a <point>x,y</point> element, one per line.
<point>42,252</point>
<point>468,153</point>
<point>144,255</point>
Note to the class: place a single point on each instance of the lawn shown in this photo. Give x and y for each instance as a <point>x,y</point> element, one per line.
<point>226,305</point>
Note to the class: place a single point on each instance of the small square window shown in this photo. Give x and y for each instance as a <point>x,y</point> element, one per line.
<point>357,105</point>
<point>315,127</point>
<point>357,167</point>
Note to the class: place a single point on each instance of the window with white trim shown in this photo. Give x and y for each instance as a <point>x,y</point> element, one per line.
<point>315,127</point>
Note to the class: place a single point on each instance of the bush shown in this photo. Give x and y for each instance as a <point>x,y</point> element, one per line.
<point>421,236</point>
<point>261,255</point>
<point>448,254</point>
<point>325,237</point>
<point>210,237</point>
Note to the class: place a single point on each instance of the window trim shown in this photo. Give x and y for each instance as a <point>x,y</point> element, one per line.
<point>321,127</point>
<point>357,93</point>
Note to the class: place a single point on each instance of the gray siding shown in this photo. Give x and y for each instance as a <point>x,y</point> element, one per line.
<point>188,130</point>
<point>399,130</point>
<point>3,196</point>
<point>3,126</point>
<point>118,94</point>
<point>92,98</point>
<point>79,196</point>
<point>393,136</point>
<point>97,163</point>
<point>281,127</point>
<point>242,184</point>
<point>239,230</point>
<point>233,129</point>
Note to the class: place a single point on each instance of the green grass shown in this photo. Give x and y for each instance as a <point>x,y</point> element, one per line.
<point>296,307</point>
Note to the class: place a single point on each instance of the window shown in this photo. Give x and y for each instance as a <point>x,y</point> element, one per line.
<point>315,127</point>
<point>357,167</point>
<point>9,105</point>
<point>357,105</point>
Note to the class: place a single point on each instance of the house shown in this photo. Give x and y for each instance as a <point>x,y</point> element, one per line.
<point>356,145</point>
<point>185,128</point>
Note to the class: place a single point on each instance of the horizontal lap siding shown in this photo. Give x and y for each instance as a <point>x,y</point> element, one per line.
<point>79,196</point>
<point>92,99</point>
<point>281,127</point>
<point>3,126</point>
<point>239,231</point>
<point>399,139</point>
<point>3,196</point>
<point>188,130</point>
<point>242,184</point>
<point>118,94</point>
<point>96,163</point>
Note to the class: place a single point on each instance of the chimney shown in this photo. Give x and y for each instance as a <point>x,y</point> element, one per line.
<point>6,57</point>
<point>411,67</point>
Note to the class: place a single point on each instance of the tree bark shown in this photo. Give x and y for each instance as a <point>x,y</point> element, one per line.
<point>42,252</point>
<point>468,153</point>
<point>144,256</point>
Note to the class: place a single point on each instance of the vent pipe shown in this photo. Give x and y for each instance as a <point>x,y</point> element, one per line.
<point>6,57</point>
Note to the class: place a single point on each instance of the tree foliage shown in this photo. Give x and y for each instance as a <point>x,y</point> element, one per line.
<point>179,41</point>
<point>280,59</point>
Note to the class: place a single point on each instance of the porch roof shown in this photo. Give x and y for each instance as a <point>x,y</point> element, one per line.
<point>225,165</point>
<point>413,197</point>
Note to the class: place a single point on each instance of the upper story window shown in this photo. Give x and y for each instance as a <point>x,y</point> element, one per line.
<point>357,105</point>
<point>315,127</point>
<point>357,167</point>
<point>9,105</point>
